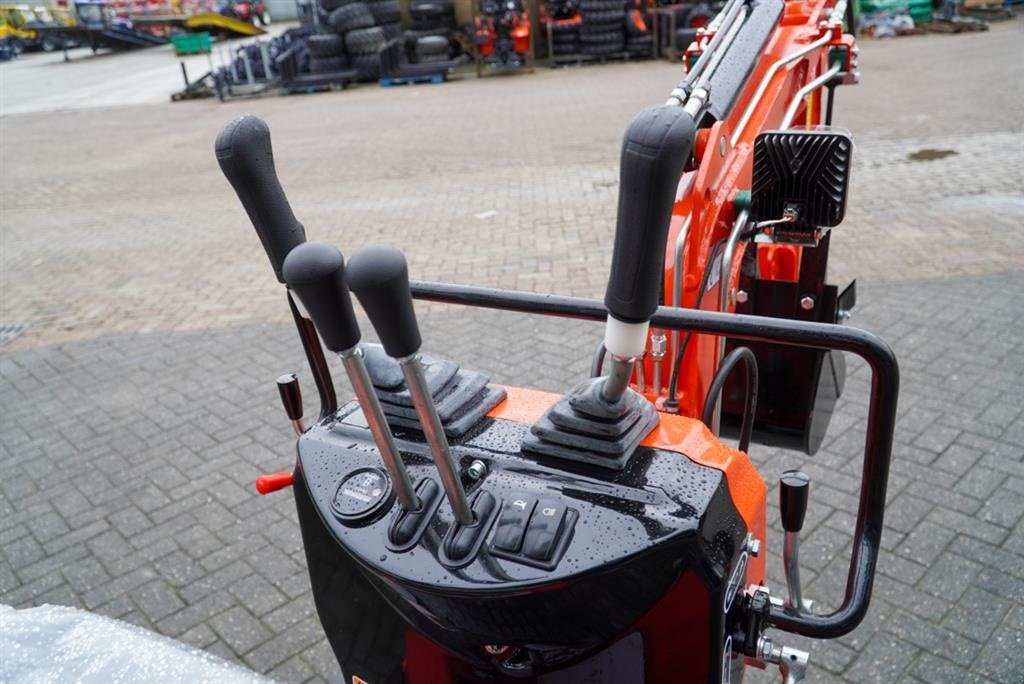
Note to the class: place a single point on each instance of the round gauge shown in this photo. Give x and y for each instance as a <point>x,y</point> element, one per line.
<point>361,494</point>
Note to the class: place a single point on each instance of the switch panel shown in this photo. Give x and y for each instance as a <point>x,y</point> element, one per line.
<point>533,531</point>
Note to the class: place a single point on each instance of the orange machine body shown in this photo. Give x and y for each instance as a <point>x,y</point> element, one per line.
<point>723,154</point>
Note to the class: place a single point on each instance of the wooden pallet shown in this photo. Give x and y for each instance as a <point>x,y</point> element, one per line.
<point>311,89</point>
<point>582,58</point>
<point>390,81</point>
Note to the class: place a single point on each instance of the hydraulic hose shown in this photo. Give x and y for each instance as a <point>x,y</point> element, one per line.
<point>750,404</point>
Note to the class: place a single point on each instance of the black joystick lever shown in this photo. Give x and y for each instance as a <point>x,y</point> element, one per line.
<point>315,271</point>
<point>655,150</point>
<point>247,160</point>
<point>379,277</point>
<point>291,398</point>
<point>601,421</point>
<point>794,488</point>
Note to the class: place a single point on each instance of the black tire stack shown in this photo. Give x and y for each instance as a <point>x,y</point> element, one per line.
<point>603,28</point>
<point>563,16</point>
<point>688,18</point>
<point>326,53</point>
<point>363,28</point>
<point>639,39</point>
<point>431,18</point>
<point>431,49</point>
<point>565,37</point>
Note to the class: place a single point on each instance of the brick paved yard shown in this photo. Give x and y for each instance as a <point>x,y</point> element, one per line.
<point>139,406</point>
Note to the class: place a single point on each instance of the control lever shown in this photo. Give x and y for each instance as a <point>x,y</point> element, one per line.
<point>247,160</point>
<point>315,271</point>
<point>379,277</point>
<point>291,397</point>
<point>655,150</point>
<point>794,487</point>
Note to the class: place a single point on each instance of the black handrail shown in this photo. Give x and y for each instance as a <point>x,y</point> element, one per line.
<point>880,425</point>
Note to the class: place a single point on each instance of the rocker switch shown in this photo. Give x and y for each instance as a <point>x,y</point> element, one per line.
<point>544,530</point>
<point>515,514</point>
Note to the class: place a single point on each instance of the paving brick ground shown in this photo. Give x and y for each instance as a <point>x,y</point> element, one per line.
<point>137,409</point>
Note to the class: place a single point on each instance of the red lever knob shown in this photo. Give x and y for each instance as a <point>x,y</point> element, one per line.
<point>271,483</point>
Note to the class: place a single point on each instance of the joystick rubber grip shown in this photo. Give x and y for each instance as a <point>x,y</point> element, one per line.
<point>379,277</point>
<point>247,160</point>
<point>315,271</point>
<point>794,487</point>
<point>655,150</point>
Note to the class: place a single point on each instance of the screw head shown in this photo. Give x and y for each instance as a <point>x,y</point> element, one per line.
<point>721,146</point>
<point>807,302</point>
<point>476,470</point>
<point>742,296</point>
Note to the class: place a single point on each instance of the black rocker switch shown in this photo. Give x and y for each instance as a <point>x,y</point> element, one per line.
<point>515,514</point>
<point>794,487</point>
<point>291,397</point>
<point>544,530</point>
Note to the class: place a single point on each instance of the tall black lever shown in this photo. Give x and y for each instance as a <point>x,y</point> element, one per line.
<point>379,277</point>
<point>794,488</point>
<point>315,271</point>
<point>655,150</point>
<point>247,160</point>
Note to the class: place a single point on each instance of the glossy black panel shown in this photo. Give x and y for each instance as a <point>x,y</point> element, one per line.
<point>625,540</point>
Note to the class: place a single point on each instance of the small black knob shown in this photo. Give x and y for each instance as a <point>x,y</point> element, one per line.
<point>315,271</point>
<point>794,486</point>
<point>291,395</point>
<point>379,277</point>
<point>247,160</point>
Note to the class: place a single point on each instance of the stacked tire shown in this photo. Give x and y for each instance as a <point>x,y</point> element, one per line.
<point>363,28</point>
<point>432,49</point>
<point>639,40</point>
<point>431,18</point>
<point>688,18</point>
<point>603,27</point>
<point>565,36</point>
<point>326,53</point>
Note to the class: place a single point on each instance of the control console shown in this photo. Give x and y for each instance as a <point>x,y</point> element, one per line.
<point>561,557</point>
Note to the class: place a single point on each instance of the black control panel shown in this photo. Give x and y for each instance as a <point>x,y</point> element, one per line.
<point>546,533</point>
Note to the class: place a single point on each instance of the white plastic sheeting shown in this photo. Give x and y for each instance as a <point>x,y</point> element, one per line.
<point>60,644</point>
